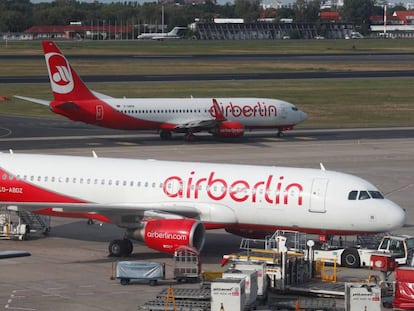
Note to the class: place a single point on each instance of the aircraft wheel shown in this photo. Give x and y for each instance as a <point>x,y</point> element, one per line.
<point>129,247</point>
<point>350,258</point>
<point>165,135</point>
<point>117,248</point>
<point>279,134</point>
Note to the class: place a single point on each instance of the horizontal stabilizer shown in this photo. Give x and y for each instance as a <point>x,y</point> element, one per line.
<point>34,100</point>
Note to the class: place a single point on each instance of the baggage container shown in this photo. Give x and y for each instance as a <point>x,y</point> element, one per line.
<point>135,270</point>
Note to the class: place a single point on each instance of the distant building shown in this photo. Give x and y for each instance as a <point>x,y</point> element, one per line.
<point>329,16</point>
<point>398,25</point>
<point>76,31</point>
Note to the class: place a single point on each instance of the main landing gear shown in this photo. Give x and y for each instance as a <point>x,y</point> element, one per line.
<point>280,133</point>
<point>118,248</point>
<point>189,137</point>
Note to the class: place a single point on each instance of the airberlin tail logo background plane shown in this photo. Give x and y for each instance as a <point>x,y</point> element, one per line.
<point>221,117</point>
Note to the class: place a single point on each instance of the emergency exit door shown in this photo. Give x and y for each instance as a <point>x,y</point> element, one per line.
<point>318,194</point>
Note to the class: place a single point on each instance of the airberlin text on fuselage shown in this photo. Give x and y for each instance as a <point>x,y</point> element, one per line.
<point>259,109</point>
<point>272,190</point>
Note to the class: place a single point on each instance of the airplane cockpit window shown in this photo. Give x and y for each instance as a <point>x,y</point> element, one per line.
<point>353,195</point>
<point>295,108</point>
<point>364,195</point>
<point>376,195</point>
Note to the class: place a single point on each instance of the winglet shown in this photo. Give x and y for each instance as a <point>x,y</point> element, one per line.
<point>217,111</point>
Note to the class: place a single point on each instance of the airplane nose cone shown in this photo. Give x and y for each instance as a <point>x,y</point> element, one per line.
<point>397,217</point>
<point>302,116</point>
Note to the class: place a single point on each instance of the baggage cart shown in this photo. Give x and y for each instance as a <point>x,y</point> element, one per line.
<point>187,264</point>
<point>134,270</point>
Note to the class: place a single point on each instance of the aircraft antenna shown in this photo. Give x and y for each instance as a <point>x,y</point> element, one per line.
<point>94,154</point>
<point>11,151</point>
<point>322,167</point>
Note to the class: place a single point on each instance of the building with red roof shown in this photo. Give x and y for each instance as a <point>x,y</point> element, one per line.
<point>78,31</point>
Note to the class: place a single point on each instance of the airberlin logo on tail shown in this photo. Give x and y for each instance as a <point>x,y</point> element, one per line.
<point>271,190</point>
<point>60,74</point>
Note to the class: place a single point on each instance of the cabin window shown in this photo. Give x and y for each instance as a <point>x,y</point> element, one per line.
<point>353,195</point>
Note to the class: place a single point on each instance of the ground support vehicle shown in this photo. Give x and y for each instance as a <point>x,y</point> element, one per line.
<point>350,254</point>
<point>135,270</point>
<point>187,264</point>
<point>400,247</point>
<point>10,230</point>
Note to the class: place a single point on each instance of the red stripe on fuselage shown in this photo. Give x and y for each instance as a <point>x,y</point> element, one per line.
<point>14,189</point>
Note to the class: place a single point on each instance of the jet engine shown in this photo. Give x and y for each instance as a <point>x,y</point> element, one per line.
<point>166,235</point>
<point>229,129</point>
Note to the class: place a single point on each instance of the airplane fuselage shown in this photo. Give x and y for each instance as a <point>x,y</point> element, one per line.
<point>159,113</point>
<point>220,195</point>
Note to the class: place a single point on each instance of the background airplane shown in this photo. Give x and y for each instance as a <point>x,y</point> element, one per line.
<point>167,204</point>
<point>222,117</point>
<point>173,34</point>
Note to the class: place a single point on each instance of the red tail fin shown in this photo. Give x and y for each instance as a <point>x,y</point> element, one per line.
<point>65,82</point>
<point>219,116</point>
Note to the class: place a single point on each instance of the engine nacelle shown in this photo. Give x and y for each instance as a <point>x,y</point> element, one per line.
<point>166,235</point>
<point>230,129</point>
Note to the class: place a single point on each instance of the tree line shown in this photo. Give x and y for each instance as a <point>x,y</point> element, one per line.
<point>19,15</point>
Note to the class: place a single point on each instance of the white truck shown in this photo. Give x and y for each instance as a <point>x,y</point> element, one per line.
<point>401,247</point>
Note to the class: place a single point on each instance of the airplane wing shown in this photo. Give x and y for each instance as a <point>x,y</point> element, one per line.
<point>202,125</point>
<point>114,211</point>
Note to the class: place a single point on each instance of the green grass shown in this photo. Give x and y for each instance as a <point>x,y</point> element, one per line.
<point>187,47</point>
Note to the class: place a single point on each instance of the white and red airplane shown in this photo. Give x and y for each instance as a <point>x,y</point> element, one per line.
<point>222,117</point>
<point>167,204</point>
